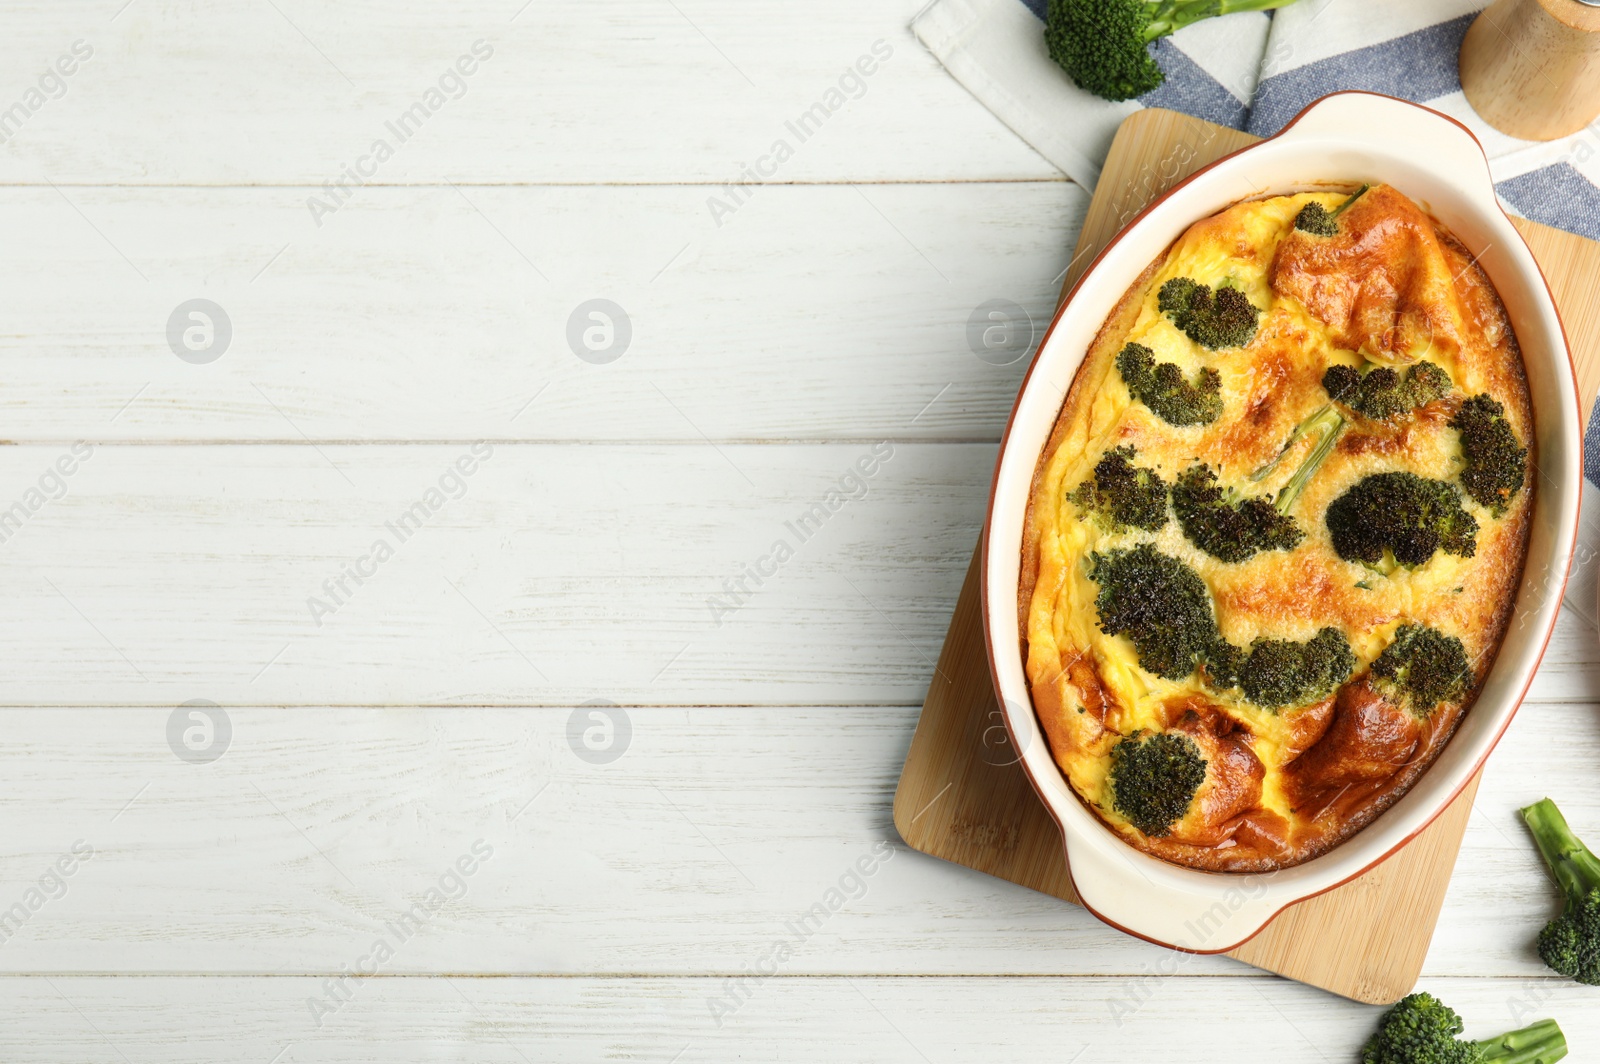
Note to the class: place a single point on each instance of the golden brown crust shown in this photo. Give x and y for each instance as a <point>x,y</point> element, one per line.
<point>1281,787</point>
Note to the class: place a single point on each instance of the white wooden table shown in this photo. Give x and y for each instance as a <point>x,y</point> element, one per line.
<point>377,738</point>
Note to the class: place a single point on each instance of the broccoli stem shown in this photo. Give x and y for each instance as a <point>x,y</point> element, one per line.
<point>1169,16</point>
<point>1572,865</point>
<point>1328,423</point>
<point>1540,1043</point>
<point>1341,208</point>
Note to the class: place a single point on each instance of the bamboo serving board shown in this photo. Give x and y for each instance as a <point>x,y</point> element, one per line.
<point>962,797</point>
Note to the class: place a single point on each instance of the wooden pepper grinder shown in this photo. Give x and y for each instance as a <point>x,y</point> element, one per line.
<point>1531,68</point>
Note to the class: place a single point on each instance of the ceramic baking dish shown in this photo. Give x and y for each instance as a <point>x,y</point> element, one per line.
<point>1343,139</point>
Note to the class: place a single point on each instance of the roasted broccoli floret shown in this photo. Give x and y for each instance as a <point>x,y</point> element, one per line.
<point>1154,778</point>
<point>1224,318</point>
<point>1317,220</point>
<point>1400,518</point>
<point>1383,393</point>
<point>1102,44</point>
<point>1279,672</point>
<point>1422,668</point>
<point>1121,495</point>
<point>1570,944</point>
<point>1225,526</point>
<point>1324,426</point>
<point>1159,603</point>
<point>1421,1029</point>
<point>1496,463</point>
<point>1163,389</point>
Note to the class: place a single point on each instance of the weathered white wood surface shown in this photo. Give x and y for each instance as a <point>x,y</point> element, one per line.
<point>432,708</point>
<point>563,572</point>
<point>66,1020</point>
<point>576,92</point>
<point>687,855</point>
<point>816,312</point>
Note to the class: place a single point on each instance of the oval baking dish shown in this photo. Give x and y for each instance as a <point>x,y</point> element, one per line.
<point>1341,139</point>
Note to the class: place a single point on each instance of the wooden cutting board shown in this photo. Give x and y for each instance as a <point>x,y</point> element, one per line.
<point>962,796</point>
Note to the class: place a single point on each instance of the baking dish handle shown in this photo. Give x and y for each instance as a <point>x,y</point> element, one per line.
<point>1354,120</point>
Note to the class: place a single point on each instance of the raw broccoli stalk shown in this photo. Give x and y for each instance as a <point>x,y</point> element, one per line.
<point>1382,393</point>
<point>1225,526</point>
<point>1102,44</point>
<point>1569,944</point>
<point>1154,779</point>
<point>1399,518</point>
<point>1421,668</point>
<point>1279,672</point>
<point>1121,495</point>
<point>1163,389</point>
<point>1324,426</point>
<point>1496,463</point>
<point>1212,319</point>
<point>1159,603</point>
<point>1317,220</point>
<point>1421,1029</point>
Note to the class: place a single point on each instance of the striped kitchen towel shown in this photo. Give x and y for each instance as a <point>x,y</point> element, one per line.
<point>996,49</point>
<point>1251,71</point>
<point>1409,50</point>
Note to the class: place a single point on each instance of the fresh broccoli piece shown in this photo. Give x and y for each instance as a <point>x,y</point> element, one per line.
<point>1421,1029</point>
<point>1154,778</point>
<point>1324,425</point>
<point>1570,944</point>
<point>1121,495</point>
<point>1163,389</point>
<point>1403,515</point>
<point>1280,672</point>
<point>1422,668</point>
<point>1224,318</point>
<point>1225,526</point>
<point>1102,44</point>
<point>1383,393</point>
<point>1159,603</point>
<point>1317,220</point>
<point>1496,463</point>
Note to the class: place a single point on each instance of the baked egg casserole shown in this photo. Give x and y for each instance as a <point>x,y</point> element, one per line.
<point>1277,532</point>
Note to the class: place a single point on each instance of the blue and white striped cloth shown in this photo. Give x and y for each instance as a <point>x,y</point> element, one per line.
<point>1255,72</point>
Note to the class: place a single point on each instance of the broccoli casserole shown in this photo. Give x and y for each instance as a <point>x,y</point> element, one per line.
<point>1275,537</point>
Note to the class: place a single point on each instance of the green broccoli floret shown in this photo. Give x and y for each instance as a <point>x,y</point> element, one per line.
<point>1324,425</point>
<point>1400,518</point>
<point>1383,393</point>
<point>1163,389</point>
<point>1421,668</point>
<point>1120,495</point>
<point>1225,526</point>
<point>1224,318</point>
<point>1421,1029</point>
<point>1102,44</point>
<point>1570,944</point>
<point>1279,672</point>
<point>1159,603</point>
<point>1317,220</point>
<point>1154,779</point>
<point>1496,463</point>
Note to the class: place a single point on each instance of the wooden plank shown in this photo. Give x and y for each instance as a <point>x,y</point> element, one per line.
<point>599,564</point>
<point>636,91</point>
<point>1366,939</point>
<point>817,313</point>
<point>318,824</point>
<point>66,1020</point>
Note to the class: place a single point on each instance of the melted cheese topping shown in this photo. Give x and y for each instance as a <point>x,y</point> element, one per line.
<point>1392,289</point>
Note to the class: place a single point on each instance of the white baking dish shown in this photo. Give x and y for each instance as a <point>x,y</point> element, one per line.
<point>1345,138</point>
